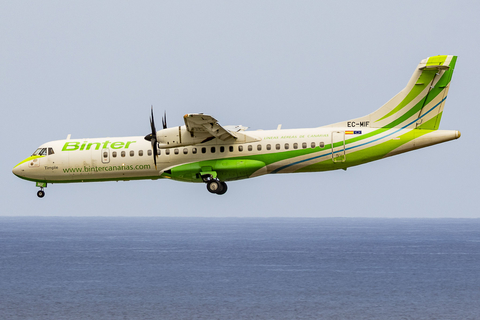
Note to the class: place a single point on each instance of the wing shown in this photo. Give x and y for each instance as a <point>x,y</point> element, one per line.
<point>202,123</point>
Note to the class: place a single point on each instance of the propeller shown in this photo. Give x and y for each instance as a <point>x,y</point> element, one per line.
<point>152,137</point>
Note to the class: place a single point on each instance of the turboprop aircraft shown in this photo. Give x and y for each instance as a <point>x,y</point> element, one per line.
<point>204,151</point>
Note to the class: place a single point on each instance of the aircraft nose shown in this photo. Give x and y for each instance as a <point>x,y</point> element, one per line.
<point>18,169</point>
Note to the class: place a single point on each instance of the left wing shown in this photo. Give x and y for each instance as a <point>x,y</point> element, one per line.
<point>202,123</point>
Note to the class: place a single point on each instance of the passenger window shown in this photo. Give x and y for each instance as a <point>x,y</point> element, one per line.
<point>259,147</point>
<point>185,150</point>
<point>123,154</point>
<point>295,145</point>
<point>194,150</point>
<point>50,151</point>
<point>140,153</point>
<point>204,150</point>
<point>167,152</point>
<point>250,148</point>
<point>149,152</point>
<point>114,154</point>
<point>230,148</point>
<point>322,144</point>
<point>269,147</point>
<point>277,146</point>
<point>175,151</point>
<point>304,145</point>
<point>286,146</point>
<point>212,149</point>
<point>222,149</point>
<point>132,153</point>
<point>313,145</point>
<point>240,148</point>
<point>105,154</point>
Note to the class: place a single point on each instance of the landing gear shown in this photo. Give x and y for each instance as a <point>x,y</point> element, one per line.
<point>216,186</point>
<point>41,193</point>
<point>42,185</point>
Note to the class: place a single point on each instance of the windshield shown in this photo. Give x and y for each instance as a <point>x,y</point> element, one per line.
<point>40,152</point>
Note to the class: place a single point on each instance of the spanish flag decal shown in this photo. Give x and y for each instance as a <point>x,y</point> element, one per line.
<point>353,132</point>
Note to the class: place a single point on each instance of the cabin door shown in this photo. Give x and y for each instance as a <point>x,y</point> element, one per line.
<point>338,146</point>
<point>105,155</point>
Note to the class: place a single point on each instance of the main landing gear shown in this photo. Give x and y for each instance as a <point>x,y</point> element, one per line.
<point>217,186</point>
<point>214,185</point>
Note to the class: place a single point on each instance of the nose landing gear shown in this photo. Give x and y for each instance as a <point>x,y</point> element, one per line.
<point>42,185</point>
<point>41,193</point>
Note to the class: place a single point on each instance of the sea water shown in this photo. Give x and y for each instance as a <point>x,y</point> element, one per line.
<point>232,268</point>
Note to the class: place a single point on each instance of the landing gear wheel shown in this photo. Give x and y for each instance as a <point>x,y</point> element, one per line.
<point>224,188</point>
<point>41,193</point>
<point>217,187</point>
<point>214,186</point>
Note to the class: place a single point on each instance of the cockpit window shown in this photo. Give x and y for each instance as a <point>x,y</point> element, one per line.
<point>50,151</point>
<point>40,152</point>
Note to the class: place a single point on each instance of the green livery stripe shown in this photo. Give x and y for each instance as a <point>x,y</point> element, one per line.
<point>298,162</point>
<point>369,154</point>
<point>28,159</point>
<point>94,180</point>
<point>415,109</point>
<point>423,81</point>
<point>434,92</point>
<point>436,124</point>
<point>436,60</point>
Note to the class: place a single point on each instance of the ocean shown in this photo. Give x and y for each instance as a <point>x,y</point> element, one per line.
<point>234,268</point>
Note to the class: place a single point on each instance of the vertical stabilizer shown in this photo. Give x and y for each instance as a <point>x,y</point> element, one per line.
<point>420,104</point>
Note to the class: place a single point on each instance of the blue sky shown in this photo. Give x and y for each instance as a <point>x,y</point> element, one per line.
<point>92,69</point>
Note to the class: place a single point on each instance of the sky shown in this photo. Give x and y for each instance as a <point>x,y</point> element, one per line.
<point>94,68</point>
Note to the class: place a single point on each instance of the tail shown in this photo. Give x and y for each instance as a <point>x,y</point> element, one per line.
<point>419,105</point>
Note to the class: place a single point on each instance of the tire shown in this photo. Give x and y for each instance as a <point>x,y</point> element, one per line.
<point>214,186</point>
<point>41,193</point>
<point>224,188</point>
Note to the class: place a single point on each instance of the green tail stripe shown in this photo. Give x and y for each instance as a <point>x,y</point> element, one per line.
<point>436,60</point>
<point>423,81</point>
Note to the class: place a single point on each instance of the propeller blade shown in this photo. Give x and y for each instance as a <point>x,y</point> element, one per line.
<point>153,138</point>
<point>164,120</point>
<point>155,154</point>
<point>152,123</point>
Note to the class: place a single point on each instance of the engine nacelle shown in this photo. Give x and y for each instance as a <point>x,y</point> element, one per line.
<point>178,137</point>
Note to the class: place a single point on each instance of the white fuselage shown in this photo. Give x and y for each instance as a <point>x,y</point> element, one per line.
<point>127,158</point>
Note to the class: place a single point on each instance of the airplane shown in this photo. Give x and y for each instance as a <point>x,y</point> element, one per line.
<point>204,151</point>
